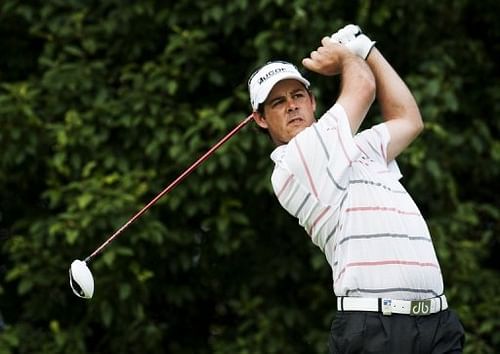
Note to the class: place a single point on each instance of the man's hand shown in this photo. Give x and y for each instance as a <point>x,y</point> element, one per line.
<point>327,59</point>
<point>357,84</point>
<point>352,37</point>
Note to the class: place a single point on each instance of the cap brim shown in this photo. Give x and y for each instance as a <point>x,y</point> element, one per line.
<point>267,87</point>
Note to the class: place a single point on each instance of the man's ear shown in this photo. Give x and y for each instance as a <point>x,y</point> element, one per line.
<point>260,120</point>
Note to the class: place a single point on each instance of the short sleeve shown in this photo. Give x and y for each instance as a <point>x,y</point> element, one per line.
<point>373,143</point>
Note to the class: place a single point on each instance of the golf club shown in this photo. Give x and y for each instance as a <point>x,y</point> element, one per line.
<point>80,277</point>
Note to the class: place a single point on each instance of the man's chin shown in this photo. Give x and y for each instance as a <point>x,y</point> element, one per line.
<point>296,129</point>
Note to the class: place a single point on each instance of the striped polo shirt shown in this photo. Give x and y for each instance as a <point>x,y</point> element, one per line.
<point>352,205</point>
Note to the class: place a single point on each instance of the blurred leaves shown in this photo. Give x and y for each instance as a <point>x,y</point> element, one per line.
<point>104,103</point>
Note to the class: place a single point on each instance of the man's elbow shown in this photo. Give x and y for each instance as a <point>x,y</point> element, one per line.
<point>420,127</point>
<point>370,88</point>
<point>418,123</point>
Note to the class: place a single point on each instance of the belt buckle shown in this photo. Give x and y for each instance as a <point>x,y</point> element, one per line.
<point>420,307</point>
<point>386,307</point>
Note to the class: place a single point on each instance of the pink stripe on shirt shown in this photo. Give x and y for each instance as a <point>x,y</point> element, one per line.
<point>343,146</point>
<point>318,219</point>
<point>379,208</point>
<point>388,262</point>
<point>306,168</point>
<point>287,182</point>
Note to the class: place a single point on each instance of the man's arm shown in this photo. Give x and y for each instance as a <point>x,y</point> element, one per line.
<point>357,90</point>
<point>398,106</point>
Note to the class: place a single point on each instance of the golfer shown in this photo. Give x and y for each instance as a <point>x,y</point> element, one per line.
<point>343,187</point>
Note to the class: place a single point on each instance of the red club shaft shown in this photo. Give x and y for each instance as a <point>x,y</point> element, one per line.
<point>171,185</point>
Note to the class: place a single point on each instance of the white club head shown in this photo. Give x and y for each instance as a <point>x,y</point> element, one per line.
<point>81,280</point>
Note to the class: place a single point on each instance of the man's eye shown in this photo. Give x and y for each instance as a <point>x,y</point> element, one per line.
<point>276,103</point>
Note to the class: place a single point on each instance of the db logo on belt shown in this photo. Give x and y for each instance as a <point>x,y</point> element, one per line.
<point>420,308</point>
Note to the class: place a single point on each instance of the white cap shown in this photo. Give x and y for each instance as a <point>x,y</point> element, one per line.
<point>263,80</point>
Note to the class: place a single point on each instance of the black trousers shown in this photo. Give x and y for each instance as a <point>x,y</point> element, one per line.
<point>371,332</point>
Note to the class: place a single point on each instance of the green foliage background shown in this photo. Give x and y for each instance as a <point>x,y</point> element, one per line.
<point>103,103</point>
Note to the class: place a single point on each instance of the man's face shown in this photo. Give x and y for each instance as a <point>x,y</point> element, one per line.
<point>288,110</point>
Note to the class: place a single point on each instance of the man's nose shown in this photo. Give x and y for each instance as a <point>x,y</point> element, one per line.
<point>291,104</point>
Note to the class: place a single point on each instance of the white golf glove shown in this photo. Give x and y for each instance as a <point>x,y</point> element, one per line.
<point>352,37</point>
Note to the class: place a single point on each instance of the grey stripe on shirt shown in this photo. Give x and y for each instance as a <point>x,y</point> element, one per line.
<point>368,236</point>
<point>387,290</point>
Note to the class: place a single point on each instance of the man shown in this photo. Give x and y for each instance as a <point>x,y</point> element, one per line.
<point>344,189</point>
